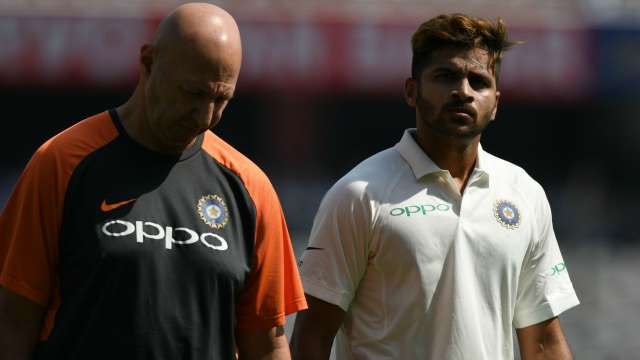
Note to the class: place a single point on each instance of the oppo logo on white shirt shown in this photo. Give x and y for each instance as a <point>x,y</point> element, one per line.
<point>557,269</point>
<point>412,210</point>
<point>149,230</point>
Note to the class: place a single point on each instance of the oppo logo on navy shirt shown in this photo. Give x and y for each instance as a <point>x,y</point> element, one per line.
<point>172,236</point>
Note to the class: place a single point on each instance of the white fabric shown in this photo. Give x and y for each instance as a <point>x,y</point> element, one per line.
<point>424,273</point>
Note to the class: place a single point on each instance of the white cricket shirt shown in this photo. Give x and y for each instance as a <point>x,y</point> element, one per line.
<point>424,273</point>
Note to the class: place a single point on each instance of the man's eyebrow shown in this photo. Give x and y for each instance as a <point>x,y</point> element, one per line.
<point>456,68</point>
<point>226,92</point>
<point>227,95</point>
<point>446,68</point>
<point>217,89</point>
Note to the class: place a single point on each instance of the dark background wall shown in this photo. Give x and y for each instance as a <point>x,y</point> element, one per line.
<point>582,152</point>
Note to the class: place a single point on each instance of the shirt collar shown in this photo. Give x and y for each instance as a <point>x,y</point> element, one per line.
<point>420,162</point>
<point>482,162</point>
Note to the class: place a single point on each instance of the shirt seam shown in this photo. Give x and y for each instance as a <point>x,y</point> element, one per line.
<point>23,289</point>
<point>335,294</point>
<point>554,307</point>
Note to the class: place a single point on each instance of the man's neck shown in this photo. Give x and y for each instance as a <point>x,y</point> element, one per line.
<point>456,155</point>
<point>133,118</point>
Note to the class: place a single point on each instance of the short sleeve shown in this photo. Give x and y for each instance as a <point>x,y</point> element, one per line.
<point>336,258</point>
<point>544,289</point>
<point>29,226</point>
<point>273,289</point>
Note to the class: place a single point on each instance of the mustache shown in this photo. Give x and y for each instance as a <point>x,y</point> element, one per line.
<point>460,107</point>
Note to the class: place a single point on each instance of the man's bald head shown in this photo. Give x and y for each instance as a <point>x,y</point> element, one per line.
<point>202,32</point>
<point>188,76</point>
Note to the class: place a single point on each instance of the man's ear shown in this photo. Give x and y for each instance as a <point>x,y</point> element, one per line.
<point>146,59</point>
<point>495,107</point>
<point>410,91</point>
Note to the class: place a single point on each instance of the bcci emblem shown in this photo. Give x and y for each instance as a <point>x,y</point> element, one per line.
<point>507,214</point>
<point>213,211</point>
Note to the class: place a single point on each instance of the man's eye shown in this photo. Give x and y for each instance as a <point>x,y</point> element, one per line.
<point>478,82</point>
<point>446,76</point>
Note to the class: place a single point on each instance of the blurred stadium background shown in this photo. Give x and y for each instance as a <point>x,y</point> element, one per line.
<point>321,89</point>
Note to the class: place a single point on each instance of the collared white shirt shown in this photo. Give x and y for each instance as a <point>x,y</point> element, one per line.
<point>425,273</point>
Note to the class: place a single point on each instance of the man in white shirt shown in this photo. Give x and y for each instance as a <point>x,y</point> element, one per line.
<point>435,249</point>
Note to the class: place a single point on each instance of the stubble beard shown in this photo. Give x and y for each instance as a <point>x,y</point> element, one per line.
<point>440,125</point>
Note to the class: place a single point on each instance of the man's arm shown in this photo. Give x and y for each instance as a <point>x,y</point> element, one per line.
<point>315,329</point>
<point>20,323</point>
<point>263,344</point>
<point>543,341</point>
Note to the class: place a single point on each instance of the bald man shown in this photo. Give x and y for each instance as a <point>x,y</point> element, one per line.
<point>139,234</point>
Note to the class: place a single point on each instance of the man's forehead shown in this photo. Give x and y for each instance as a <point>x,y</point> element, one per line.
<point>194,63</point>
<point>203,73</point>
<point>212,85</point>
<point>474,59</point>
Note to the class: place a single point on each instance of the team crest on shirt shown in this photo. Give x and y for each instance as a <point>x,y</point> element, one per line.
<point>213,211</point>
<point>507,214</point>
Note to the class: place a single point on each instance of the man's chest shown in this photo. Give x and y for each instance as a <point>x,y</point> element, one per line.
<point>191,215</point>
<point>487,229</point>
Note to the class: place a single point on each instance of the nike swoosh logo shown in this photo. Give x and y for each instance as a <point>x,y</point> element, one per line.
<point>108,207</point>
<point>313,248</point>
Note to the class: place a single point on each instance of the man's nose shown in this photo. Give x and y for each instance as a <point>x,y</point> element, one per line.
<point>204,113</point>
<point>462,91</point>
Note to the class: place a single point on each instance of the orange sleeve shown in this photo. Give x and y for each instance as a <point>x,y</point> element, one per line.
<point>31,221</point>
<point>29,226</point>
<point>273,288</point>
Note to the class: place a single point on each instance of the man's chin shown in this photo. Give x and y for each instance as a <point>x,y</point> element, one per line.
<point>467,131</point>
<point>181,142</point>
<point>462,132</point>
<point>173,146</point>
<point>467,134</point>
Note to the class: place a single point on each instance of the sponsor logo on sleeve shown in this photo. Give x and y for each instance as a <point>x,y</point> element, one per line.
<point>557,269</point>
<point>313,248</point>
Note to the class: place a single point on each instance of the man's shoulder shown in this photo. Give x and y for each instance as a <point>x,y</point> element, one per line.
<point>234,161</point>
<point>373,167</point>
<point>513,175</point>
<point>373,176</point>
<point>80,139</point>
